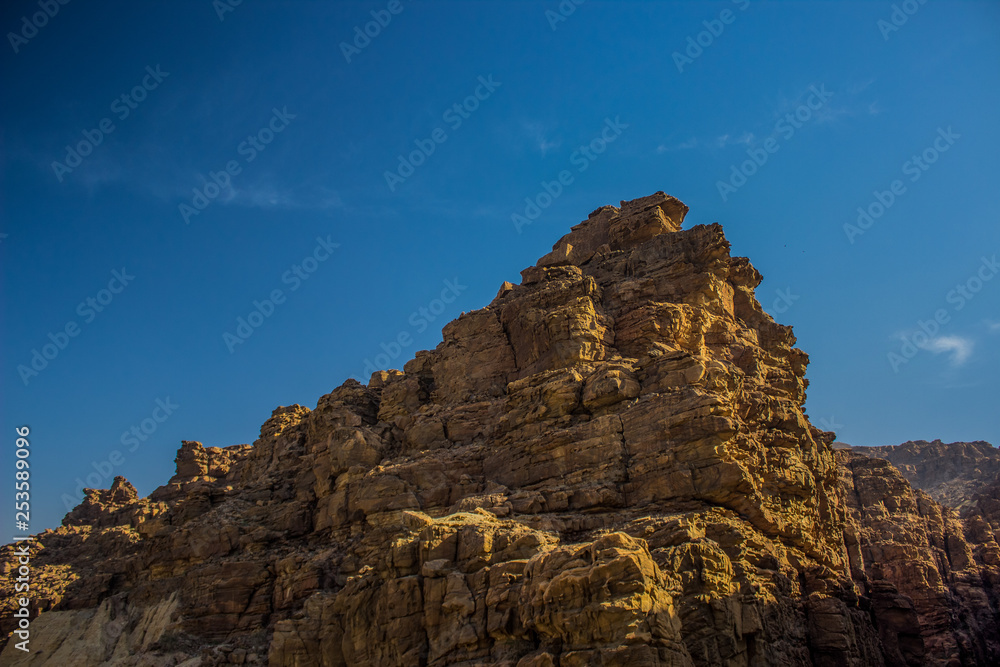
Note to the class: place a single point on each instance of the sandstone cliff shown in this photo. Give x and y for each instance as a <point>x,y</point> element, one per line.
<point>607,465</point>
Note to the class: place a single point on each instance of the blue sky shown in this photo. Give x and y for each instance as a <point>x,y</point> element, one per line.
<point>833,104</point>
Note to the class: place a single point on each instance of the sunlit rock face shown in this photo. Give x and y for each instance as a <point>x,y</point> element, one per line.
<point>607,465</point>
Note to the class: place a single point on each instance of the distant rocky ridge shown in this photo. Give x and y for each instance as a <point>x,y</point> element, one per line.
<point>607,465</point>
<point>951,474</point>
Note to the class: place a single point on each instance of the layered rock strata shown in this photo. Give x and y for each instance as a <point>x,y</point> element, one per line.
<point>607,465</point>
<point>930,574</point>
<point>951,473</point>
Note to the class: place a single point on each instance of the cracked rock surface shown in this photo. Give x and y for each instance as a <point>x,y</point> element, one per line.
<point>609,464</point>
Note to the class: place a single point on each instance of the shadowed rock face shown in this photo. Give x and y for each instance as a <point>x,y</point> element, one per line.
<point>951,473</point>
<point>607,465</point>
<point>931,575</point>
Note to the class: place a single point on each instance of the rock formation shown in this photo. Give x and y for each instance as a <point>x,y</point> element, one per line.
<point>931,577</point>
<point>607,465</point>
<point>951,474</point>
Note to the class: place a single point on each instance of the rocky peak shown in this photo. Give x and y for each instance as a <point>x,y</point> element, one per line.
<point>102,507</point>
<point>611,228</point>
<point>609,464</point>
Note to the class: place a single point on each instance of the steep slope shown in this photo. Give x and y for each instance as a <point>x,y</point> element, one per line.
<point>950,473</point>
<point>608,465</point>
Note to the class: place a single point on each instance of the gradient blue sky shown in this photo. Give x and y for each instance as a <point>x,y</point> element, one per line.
<point>323,176</point>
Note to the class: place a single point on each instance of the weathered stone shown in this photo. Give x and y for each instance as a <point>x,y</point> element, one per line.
<point>609,464</point>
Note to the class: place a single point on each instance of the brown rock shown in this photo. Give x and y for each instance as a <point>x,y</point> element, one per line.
<point>609,464</point>
<point>951,473</point>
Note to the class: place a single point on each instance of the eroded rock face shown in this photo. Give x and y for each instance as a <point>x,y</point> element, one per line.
<point>929,575</point>
<point>607,465</point>
<point>951,473</point>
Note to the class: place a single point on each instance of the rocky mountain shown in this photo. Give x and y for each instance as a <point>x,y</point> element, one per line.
<point>607,465</point>
<point>951,474</point>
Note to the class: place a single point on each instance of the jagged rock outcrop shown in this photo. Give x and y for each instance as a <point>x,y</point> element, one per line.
<point>951,473</point>
<point>928,571</point>
<point>607,465</point>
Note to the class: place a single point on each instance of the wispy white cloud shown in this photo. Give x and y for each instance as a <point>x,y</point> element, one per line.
<point>719,141</point>
<point>724,140</point>
<point>545,146</point>
<point>844,103</point>
<point>993,327</point>
<point>100,174</point>
<point>958,347</point>
<point>830,112</point>
<point>683,146</point>
<point>148,169</point>
<point>267,195</point>
<point>856,87</point>
<point>538,134</point>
